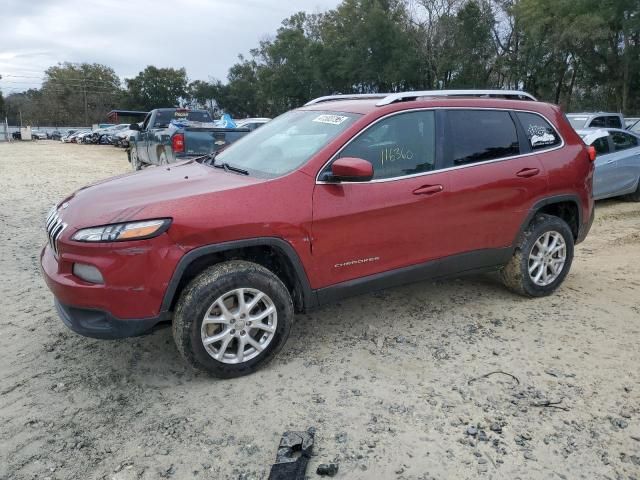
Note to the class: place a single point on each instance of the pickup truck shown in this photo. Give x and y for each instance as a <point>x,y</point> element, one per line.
<point>171,134</point>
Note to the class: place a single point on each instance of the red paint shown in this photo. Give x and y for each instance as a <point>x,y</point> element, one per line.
<point>352,168</point>
<point>388,224</point>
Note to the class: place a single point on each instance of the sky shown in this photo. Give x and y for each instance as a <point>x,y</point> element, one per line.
<point>204,36</point>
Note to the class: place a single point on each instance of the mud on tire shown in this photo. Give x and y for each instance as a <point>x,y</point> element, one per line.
<point>515,275</point>
<point>203,293</point>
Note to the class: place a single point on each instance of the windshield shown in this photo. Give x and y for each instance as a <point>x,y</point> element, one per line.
<point>577,122</point>
<point>286,143</point>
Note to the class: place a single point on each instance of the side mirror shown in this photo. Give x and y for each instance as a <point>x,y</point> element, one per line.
<point>134,126</point>
<point>350,169</point>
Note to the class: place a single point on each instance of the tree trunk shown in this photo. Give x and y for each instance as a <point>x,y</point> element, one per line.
<point>625,73</point>
<point>574,74</point>
<point>560,82</point>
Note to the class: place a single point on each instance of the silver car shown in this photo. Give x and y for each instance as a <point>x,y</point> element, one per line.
<point>581,121</point>
<point>617,162</point>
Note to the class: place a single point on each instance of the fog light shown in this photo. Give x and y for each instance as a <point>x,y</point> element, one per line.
<point>88,273</point>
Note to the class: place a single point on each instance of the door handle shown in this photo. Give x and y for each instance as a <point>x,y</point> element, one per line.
<point>428,190</point>
<point>610,161</point>
<point>528,172</point>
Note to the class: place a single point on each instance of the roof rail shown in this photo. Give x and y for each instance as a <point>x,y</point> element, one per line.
<point>355,96</point>
<point>511,94</point>
<point>389,98</point>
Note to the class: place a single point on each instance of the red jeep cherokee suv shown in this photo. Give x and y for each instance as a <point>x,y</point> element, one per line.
<point>340,197</point>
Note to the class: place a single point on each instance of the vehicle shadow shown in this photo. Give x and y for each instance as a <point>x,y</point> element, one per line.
<point>416,309</point>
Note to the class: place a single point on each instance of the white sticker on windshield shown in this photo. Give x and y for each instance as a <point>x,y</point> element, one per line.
<point>331,119</point>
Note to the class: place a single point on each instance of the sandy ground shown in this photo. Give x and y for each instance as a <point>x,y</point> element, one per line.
<point>391,381</point>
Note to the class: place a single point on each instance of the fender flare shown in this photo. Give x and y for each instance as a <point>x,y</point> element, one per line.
<point>309,298</point>
<point>543,203</point>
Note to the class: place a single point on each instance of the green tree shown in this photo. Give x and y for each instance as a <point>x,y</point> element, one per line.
<point>156,88</point>
<point>473,46</point>
<point>78,93</point>
<point>370,46</point>
<point>286,66</point>
<point>205,95</point>
<point>244,96</point>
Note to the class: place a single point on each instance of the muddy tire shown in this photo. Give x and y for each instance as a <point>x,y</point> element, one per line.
<point>635,196</point>
<point>542,259</point>
<point>232,319</point>
<point>133,157</point>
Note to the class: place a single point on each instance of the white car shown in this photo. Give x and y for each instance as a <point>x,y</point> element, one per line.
<point>251,123</point>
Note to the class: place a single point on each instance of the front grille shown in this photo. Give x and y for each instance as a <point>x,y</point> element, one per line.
<point>55,227</point>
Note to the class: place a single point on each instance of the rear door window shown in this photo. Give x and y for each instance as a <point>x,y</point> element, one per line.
<point>399,145</point>
<point>481,135</point>
<point>539,132</point>
<point>597,122</point>
<point>622,141</point>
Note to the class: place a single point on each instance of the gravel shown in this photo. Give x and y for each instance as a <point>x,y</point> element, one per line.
<point>383,377</point>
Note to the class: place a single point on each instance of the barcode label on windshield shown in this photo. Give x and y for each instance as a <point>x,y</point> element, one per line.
<point>331,119</point>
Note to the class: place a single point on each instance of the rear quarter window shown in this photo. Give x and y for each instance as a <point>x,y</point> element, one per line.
<point>540,133</point>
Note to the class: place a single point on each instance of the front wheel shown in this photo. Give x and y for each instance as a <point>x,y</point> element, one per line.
<point>232,319</point>
<point>543,258</point>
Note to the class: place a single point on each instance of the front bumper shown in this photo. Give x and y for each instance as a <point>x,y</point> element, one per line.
<point>103,325</point>
<point>128,303</point>
<point>136,275</point>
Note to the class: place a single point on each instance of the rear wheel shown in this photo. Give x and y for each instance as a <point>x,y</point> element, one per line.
<point>232,319</point>
<point>543,258</point>
<point>162,158</point>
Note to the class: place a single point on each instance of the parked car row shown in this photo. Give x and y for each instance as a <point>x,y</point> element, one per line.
<point>165,136</point>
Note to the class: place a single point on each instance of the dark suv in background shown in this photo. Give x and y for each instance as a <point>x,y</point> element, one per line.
<point>345,195</point>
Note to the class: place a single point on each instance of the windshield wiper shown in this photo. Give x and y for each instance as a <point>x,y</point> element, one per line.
<point>210,159</point>
<point>231,168</point>
<point>226,166</point>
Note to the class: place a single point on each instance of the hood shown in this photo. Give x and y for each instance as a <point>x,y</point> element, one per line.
<point>151,193</point>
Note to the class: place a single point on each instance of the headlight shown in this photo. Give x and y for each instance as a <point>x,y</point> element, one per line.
<point>118,232</point>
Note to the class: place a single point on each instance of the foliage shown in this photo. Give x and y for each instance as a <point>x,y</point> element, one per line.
<point>156,88</point>
<point>70,94</point>
<point>581,54</point>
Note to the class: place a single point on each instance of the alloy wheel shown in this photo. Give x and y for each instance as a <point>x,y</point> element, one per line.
<point>547,258</point>
<point>239,325</point>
